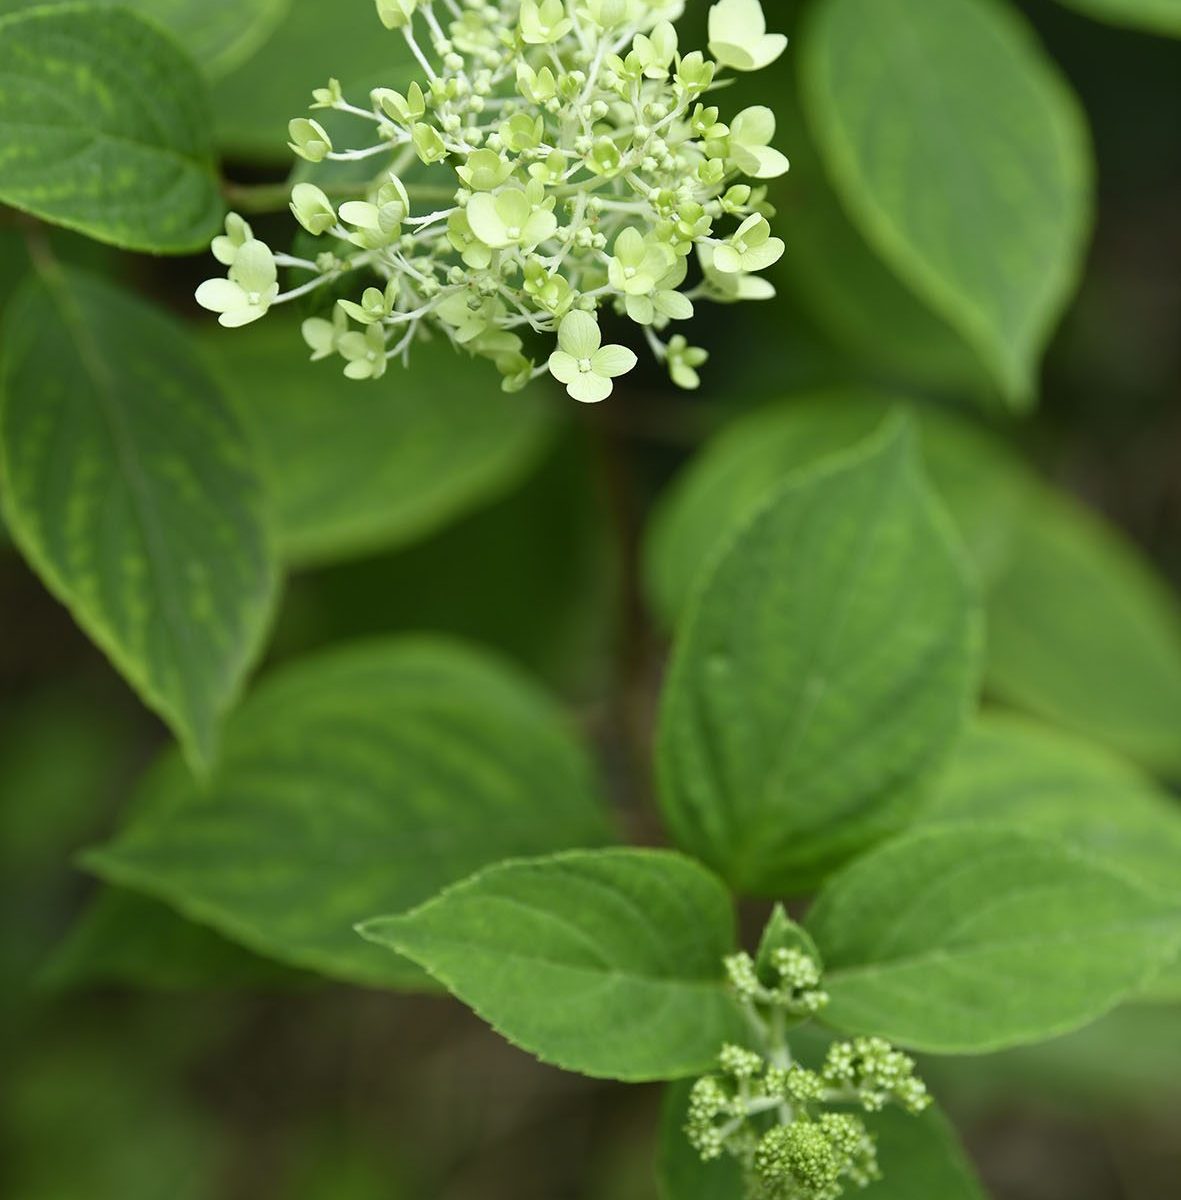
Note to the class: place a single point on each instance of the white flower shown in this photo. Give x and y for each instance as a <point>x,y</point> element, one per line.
<point>583,363</point>
<point>248,292</point>
<point>750,248</point>
<point>750,144</point>
<point>738,36</point>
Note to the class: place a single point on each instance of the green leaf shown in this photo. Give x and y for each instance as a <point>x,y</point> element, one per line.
<point>359,781</point>
<point>962,157</point>
<point>920,1157</point>
<point>970,938</point>
<point>982,485</point>
<point>1012,771</point>
<point>218,34</point>
<point>820,673</point>
<point>131,488</point>
<point>358,468</point>
<point>80,145</point>
<point>316,40</point>
<point>1155,16</point>
<point>1082,632</point>
<point>608,963</point>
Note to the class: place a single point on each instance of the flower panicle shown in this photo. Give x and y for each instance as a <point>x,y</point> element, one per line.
<point>579,167</point>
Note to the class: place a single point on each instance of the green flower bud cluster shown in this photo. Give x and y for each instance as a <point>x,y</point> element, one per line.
<point>783,1121</point>
<point>581,167</point>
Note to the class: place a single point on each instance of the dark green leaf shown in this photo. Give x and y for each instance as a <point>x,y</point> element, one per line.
<point>357,782</point>
<point>970,938</point>
<point>105,128</point>
<point>820,673</point>
<point>360,467</point>
<point>131,488</point>
<point>962,158</point>
<point>604,962</point>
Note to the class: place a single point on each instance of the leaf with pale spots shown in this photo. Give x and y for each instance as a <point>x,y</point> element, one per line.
<point>105,127</point>
<point>130,487</point>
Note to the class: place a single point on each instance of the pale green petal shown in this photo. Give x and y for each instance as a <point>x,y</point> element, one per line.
<point>727,260</point>
<point>513,208</point>
<point>241,316</point>
<point>540,226</point>
<point>641,309</point>
<point>590,388</point>
<point>221,295</point>
<point>579,334</point>
<point>674,305</point>
<point>753,126</point>
<point>254,267</point>
<point>483,217</point>
<point>769,163</point>
<point>759,258</point>
<point>613,361</point>
<point>563,367</point>
<point>629,247</point>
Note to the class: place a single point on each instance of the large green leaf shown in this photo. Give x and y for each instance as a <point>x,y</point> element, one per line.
<point>820,673</point>
<point>131,488</point>
<point>218,34</point>
<point>105,128</point>
<point>1081,631</point>
<point>359,467</point>
<point>970,938</point>
<point>981,484</point>
<point>962,157</point>
<point>315,41</point>
<point>1156,16</point>
<point>357,782</point>
<point>604,962</point>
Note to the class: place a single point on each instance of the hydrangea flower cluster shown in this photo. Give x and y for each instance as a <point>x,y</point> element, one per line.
<point>783,1121</point>
<point>583,169</point>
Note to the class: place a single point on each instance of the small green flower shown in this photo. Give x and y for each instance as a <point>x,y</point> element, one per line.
<point>327,97</point>
<point>428,142</point>
<point>364,353</point>
<point>395,14</point>
<point>522,132</point>
<point>583,363</point>
<point>376,304</point>
<point>750,144</point>
<point>249,291</point>
<point>543,22</point>
<point>638,264</point>
<point>655,51</point>
<point>514,217</point>
<point>738,35</point>
<point>693,74</point>
<point>750,248</point>
<point>732,289</point>
<point>605,157</point>
<point>309,139</point>
<point>323,337</point>
<point>538,87</point>
<point>312,208</point>
<point>374,226</point>
<point>405,110</point>
<point>485,170</point>
<point>225,246</point>
<point>683,361</point>
<point>468,315</point>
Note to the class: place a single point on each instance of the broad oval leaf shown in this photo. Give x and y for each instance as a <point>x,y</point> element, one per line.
<point>218,34</point>
<point>1155,16</point>
<point>355,782</point>
<point>105,128</point>
<point>359,467</point>
<point>820,673</point>
<point>982,485</point>
<point>604,962</point>
<point>962,157</point>
<point>965,939</point>
<point>1083,632</point>
<point>132,490</point>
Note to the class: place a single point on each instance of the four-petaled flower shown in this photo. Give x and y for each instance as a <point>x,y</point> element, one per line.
<point>583,363</point>
<point>738,36</point>
<point>750,248</point>
<point>248,292</point>
<point>510,218</point>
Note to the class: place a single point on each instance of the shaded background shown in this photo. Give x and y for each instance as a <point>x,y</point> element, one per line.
<point>200,1073</point>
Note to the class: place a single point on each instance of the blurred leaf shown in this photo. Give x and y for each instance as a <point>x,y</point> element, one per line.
<point>218,34</point>
<point>84,1117</point>
<point>603,962</point>
<point>126,938</point>
<point>1156,16</point>
<point>1010,770</point>
<point>806,710</point>
<point>363,466</point>
<point>1082,632</point>
<point>962,157</point>
<point>81,146</point>
<point>359,782</point>
<point>131,489</point>
<point>315,41</point>
<point>966,939</point>
<point>975,476</point>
